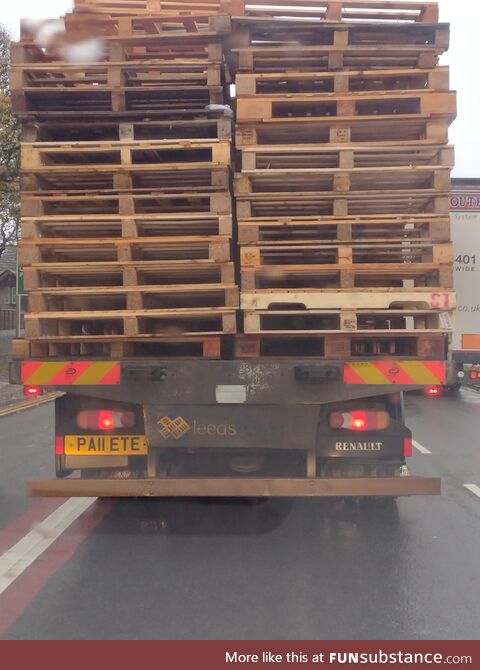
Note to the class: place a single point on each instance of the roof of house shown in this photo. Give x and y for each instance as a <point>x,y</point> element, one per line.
<point>8,260</point>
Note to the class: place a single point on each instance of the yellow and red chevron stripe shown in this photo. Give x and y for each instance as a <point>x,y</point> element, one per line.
<point>411,373</point>
<point>61,373</point>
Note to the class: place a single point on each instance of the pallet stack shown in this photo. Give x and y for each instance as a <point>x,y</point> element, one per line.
<point>126,201</point>
<point>341,189</point>
<point>342,179</point>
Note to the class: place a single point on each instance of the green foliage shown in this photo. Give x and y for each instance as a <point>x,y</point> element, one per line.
<point>9,153</point>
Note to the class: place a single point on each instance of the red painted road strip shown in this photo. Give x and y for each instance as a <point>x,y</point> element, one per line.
<point>24,523</point>
<point>20,594</point>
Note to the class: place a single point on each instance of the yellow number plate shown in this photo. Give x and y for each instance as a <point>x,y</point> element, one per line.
<point>105,445</point>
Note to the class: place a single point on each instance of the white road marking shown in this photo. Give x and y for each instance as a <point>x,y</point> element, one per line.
<point>473,488</point>
<point>19,557</point>
<point>419,447</point>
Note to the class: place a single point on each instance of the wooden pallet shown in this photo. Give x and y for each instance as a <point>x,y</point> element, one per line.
<point>141,7</point>
<point>341,346</point>
<point>330,10</point>
<point>97,164</point>
<point>91,250</point>
<point>261,160</point>
<point>316,106</point>
<point>135,225</point>
<point>65,116</point>
<point>199,177</point>
<point>346,81</point>
<point>202,126</point>
<point>315,229</point>
<point>340,204</point>
<point>261,44</point>
<point>126,202</point>
<point>93,298</point>
<point>320,181</point>
<point>95,155</point>
<point>385,322</point>
<point>178,100</point>
<point>95,326</point>
<point>337,57</point>
<point>338,10</point>
<point>362,299</point>
<point>120,347</point>
<point>33,47</point>
<point>128,273</point>
<point>372,130</point>
<point>134,23</point>
<point>304,254</point>
<point>345,276</point>
<point>130,75</point>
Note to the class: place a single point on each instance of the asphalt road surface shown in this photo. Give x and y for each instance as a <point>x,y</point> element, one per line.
<point>298,569</point>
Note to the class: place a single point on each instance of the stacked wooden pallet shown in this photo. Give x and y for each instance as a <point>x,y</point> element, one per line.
<point>343,178</point>
<point>140,7</point>
<point>126,205</point>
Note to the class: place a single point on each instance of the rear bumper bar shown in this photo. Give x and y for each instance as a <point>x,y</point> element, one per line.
<point>236,487</point>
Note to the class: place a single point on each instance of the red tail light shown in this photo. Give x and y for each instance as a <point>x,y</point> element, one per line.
<point>407,447</point>
<point>105,419</point>
<point>434,391</point>
<point>359,423</point>
<point>59,445</point>
<point>32,391</point>
<point>474,375</point>
<point>359,420</point>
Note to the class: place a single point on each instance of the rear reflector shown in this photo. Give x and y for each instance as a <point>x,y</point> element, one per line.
<point>407,447</point>
<point>32,391</point>
<point>59,445</point>
<point>359,420</point>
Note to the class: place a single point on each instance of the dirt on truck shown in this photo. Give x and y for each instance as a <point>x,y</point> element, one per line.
<point>236,244</point>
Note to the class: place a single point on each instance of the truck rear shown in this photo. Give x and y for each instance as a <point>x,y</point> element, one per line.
<point>232,286</point>
<point>465,208</point>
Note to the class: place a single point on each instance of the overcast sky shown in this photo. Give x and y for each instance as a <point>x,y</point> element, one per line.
<point>463,57</point>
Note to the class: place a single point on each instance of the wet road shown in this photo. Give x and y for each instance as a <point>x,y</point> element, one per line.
<point>303,569</point>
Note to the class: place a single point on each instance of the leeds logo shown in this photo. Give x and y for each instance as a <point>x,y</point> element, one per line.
<point>173,427</point>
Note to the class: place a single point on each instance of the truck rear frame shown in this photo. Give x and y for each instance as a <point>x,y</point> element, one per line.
<point>233,428</point>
